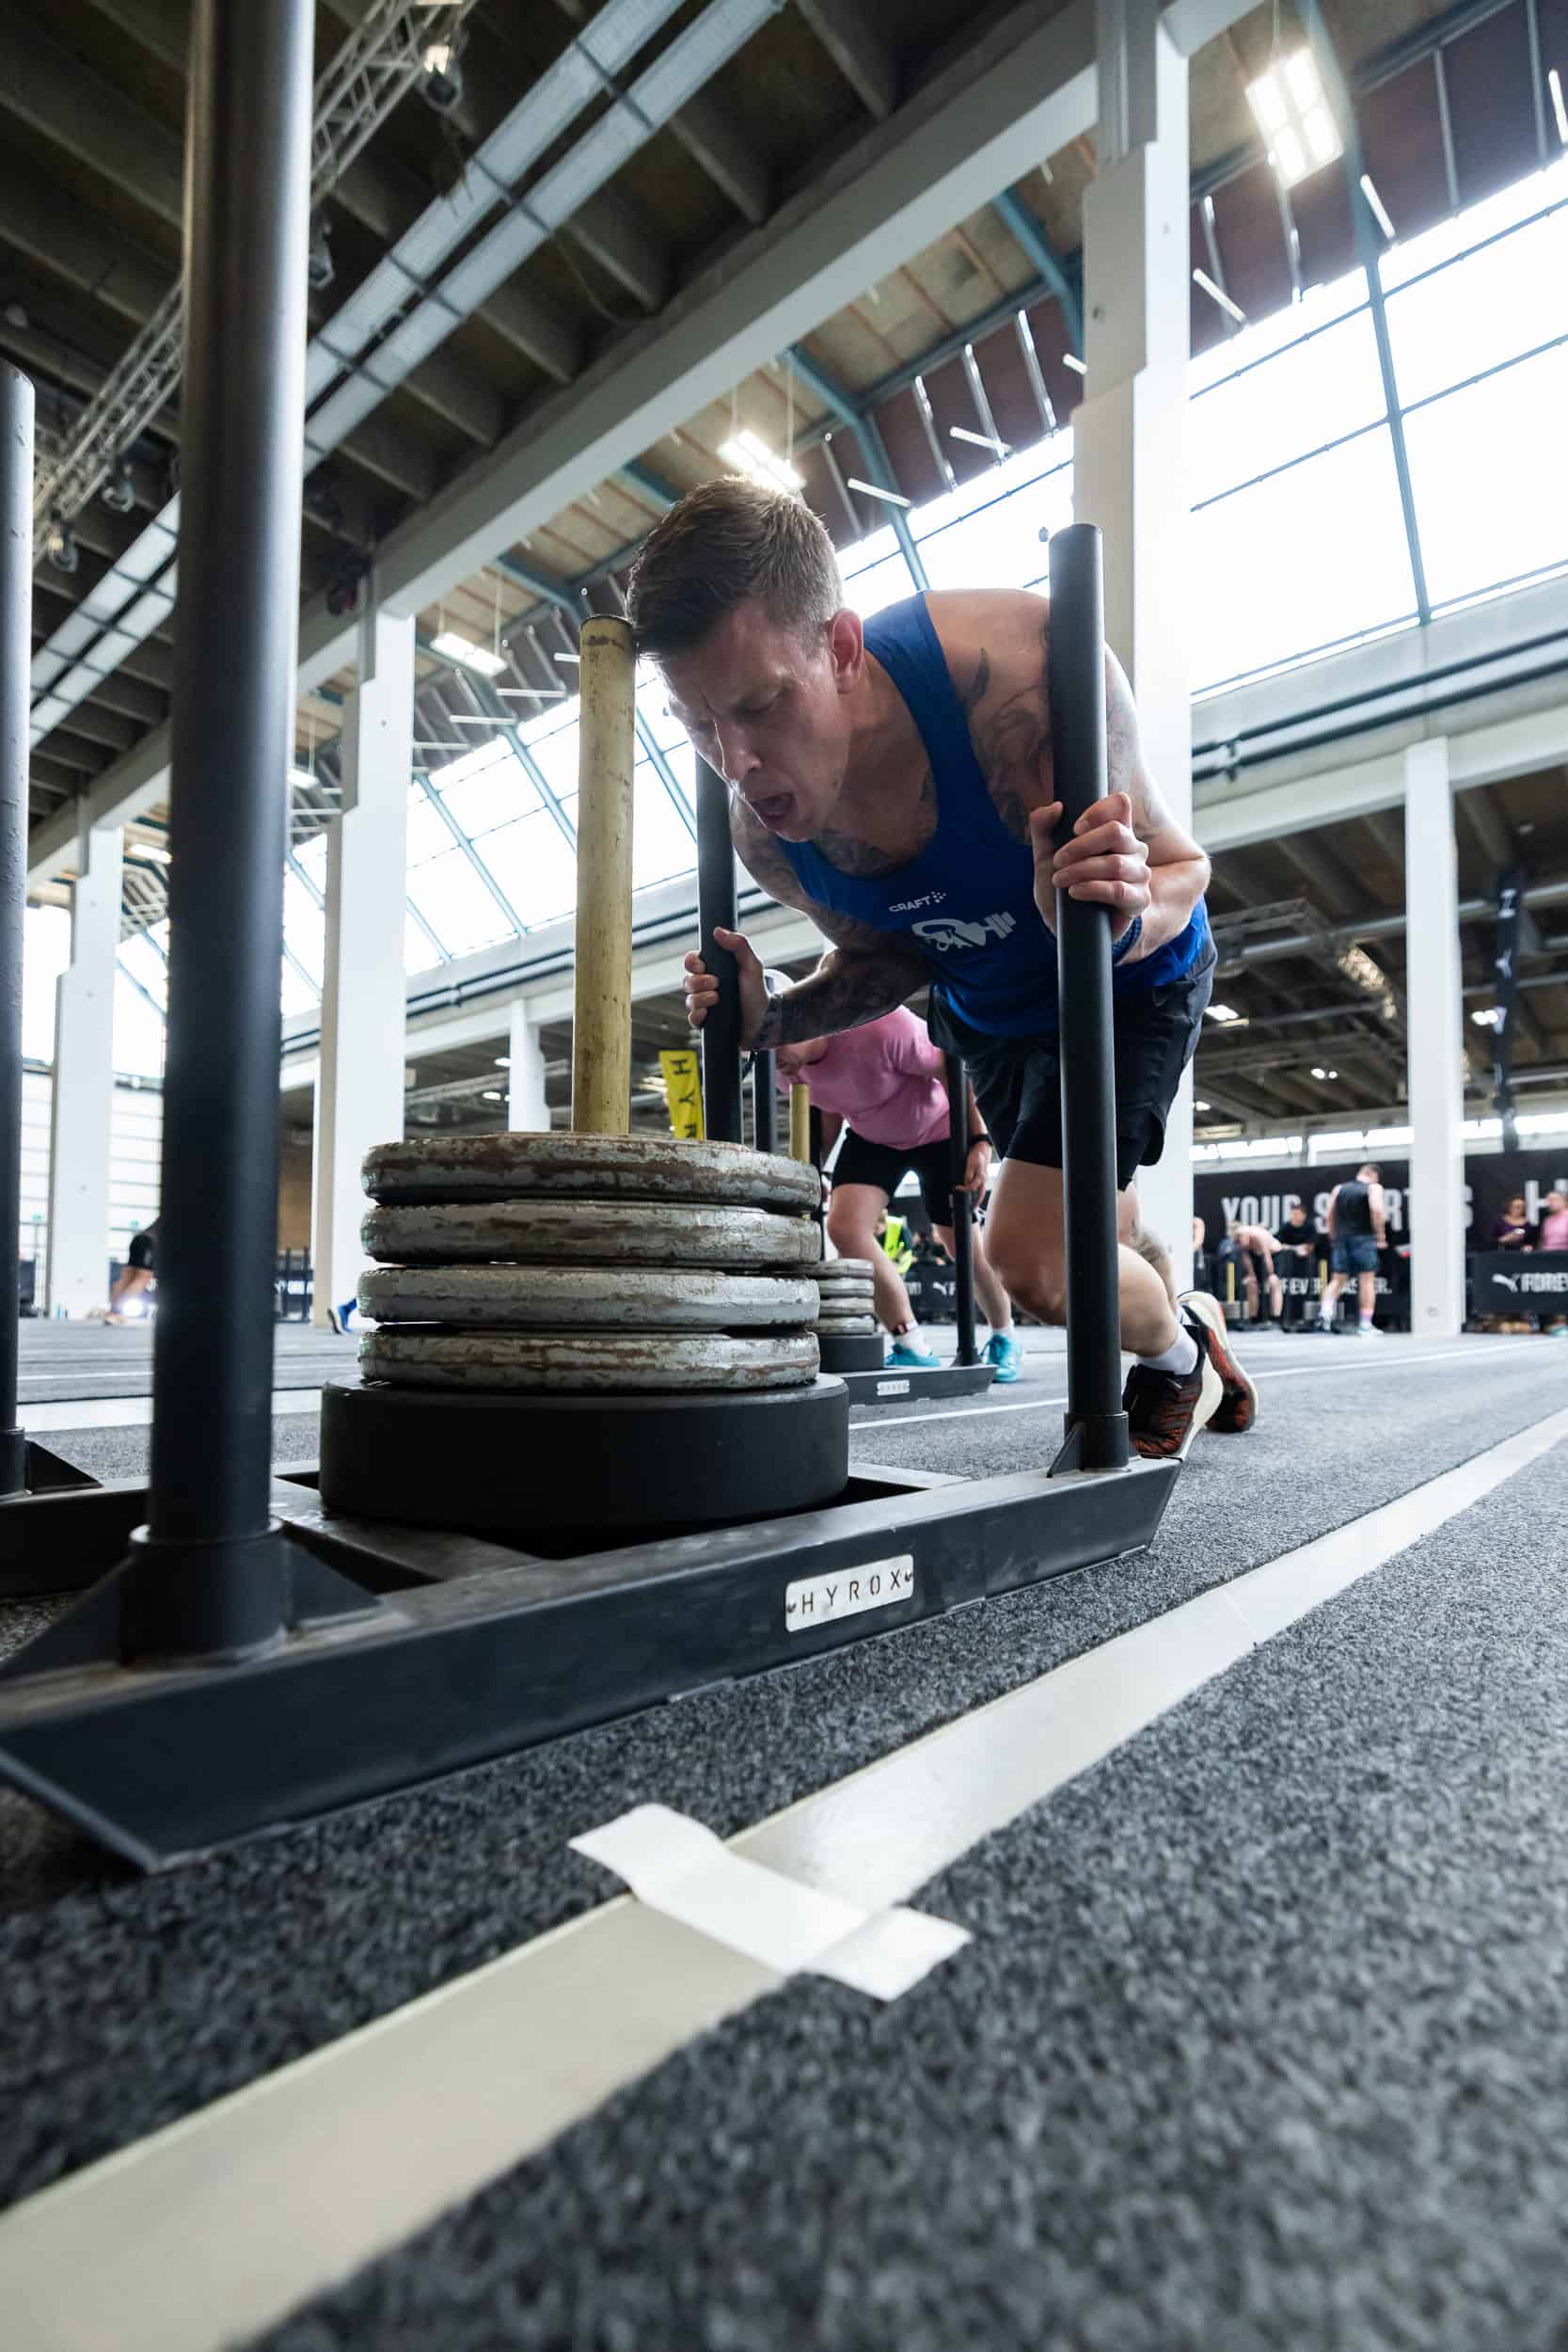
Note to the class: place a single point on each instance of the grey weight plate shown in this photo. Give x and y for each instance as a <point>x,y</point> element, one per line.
<point>856,1289</point>
<point>575,1362</point>
<point>513,1165</point>
<point>634,1299</point>
<point>846,1324</point>
<point>845,1270</point>
<point>586,1232</point>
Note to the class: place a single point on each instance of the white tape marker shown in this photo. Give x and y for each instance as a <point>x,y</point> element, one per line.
<point>677,1866</point>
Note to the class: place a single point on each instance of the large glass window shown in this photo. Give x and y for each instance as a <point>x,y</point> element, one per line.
<point>1494,305</point>
<point>1301,561</point>
<point>1313,393</point>
<point>1491,489</point>
<point>456,903</point>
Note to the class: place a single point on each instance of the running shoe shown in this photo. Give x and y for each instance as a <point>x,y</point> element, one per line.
<point>1004,1355</point>
<point>902,1357</point>
<point>1238,1407</point>
<point>1166,1409</point>
<point>1368,1331</point>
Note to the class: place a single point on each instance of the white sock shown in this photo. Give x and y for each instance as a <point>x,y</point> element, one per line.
<point>1178,1358</point>
<point>909,1336</point>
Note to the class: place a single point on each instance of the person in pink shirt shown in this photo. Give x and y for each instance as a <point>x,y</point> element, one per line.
<point>1554,1235</point>
<point>885,1083</point>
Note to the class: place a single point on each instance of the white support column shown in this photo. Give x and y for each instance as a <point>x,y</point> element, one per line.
<point>526,1106</point>
<point>1435,1084</point>
<point>83,1099</point>
<point>360,1087</point>
<point>1129,439</point>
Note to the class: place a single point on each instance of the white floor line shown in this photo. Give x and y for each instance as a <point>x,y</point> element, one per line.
<point>135,1412</point>
<point>214,2229</point>
<point>1359,1362</point>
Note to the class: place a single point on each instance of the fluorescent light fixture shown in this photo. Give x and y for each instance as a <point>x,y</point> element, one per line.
<point>466,654</point>
<point>437,57</point>
<point>1227,1015</point>
<point>1379,210</point>
<point>1554,83</point>
<point>981,440</point>
<point>1071,360</point>
<point>532,694</point>
<point>492,1094</point>
<point>1486,1016</point>
<point>569,661</point>
<point>1217,294</point>
<point>1202,1106</point>
<point>473,719</point>
<point>504,1062</point>
<point>1319,1073</point>
<point>869,489</point>
<point>750,456</point>
<point>1294,117</point>
<point>148,848</point>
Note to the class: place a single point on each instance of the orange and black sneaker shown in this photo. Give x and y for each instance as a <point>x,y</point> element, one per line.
<point>1238,1407</point>
<point>1166,1409</point>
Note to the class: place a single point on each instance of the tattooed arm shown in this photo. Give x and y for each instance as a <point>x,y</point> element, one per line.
<point>864,973</point>
<point>1126,852</point>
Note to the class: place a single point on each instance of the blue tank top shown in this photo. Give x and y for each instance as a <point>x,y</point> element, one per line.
<point>968,900</point>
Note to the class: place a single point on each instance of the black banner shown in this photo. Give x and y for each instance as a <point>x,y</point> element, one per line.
<point>1505,975</point>
<point>1263,1196</point>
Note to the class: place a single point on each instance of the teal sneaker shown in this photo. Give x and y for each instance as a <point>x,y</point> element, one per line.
<point>902,1357</point>
<point>1004,1355</point>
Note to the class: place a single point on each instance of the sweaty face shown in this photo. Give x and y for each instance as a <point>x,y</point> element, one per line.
<point>766,707</point>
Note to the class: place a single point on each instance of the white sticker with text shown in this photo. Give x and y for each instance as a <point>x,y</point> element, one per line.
<point>819,1600</point>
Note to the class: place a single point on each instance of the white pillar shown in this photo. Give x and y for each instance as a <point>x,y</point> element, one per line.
<point>526,1106</point>
<point>1436,1083</point>
<point>1129,440</point>
<point>360,1085</point>
<point>83,1099</point>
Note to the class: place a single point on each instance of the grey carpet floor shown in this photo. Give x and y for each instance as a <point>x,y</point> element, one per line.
<point>1261,2046</point>
<point>125,2003</point>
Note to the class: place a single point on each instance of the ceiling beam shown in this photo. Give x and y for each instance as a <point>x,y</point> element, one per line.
<point>844,29</point>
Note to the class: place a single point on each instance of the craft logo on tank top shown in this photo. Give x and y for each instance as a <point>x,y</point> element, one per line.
<point>948,934</point>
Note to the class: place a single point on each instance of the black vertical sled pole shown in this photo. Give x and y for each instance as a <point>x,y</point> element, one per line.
<point>1075,684</point>
<point>764,1105</point>
<point>213,1576</point>
<point>716,911</point>
<point>962,1207</point>
<point>16,609</point>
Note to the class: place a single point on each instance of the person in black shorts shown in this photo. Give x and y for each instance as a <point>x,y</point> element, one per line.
<point>136,1275</point>
<point>1358,1230</point>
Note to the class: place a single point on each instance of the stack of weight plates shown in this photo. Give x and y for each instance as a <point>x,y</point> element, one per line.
<point>844,1287</point>
<point>585,1332</point>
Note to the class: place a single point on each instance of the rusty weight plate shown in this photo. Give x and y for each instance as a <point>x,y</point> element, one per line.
<point>572,1362</point>
<point>634,1299</point>
<point>587,1233</point>
<point>513,1165</point>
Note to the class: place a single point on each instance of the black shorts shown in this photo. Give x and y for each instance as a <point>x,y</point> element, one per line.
<point>885,1165</point>
<point>139,1255</point>
<point>1018,1080</point>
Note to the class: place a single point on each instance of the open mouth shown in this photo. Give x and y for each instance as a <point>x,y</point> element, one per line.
<point>775,808</point>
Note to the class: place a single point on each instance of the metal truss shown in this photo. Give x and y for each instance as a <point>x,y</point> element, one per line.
<point>368,75</point>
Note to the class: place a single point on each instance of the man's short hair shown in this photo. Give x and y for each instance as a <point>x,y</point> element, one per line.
<point>1370,1168</point>
<point>724,543</point>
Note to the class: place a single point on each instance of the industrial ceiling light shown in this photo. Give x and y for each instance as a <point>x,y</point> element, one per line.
<point>981,440</point>
<point>59,546</point>
<point>441,82</point>
<point>1319,1073</point>
<point>118,493</point>
<point>466,654</point>
<point>1217,294</point>
<point>1071,360</point>
<point>1227,1015</point>
<point>1554,83</point>
<point>492,1094</point>
<point>318,264</point>
<point>1291,112</point>
<point>1486,1016</point>
<point>1376,206</point>
<point>869,489</point>
<point>750,456</point>
<point>1202,1106</point>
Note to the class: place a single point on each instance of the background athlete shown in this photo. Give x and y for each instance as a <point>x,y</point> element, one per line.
<point>894,783</point>
<point>885,1082</point>
<point>1358,1230</point>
